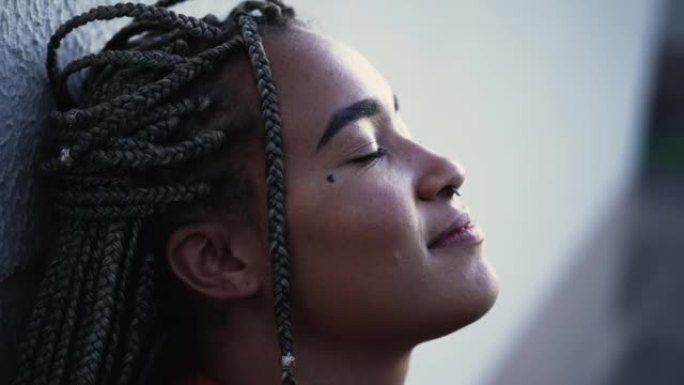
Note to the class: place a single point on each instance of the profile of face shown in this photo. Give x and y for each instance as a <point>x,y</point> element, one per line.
<point>366,204</point>
<point>375,230</point>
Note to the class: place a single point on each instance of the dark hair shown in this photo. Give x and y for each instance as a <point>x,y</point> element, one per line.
<point>147,142</point>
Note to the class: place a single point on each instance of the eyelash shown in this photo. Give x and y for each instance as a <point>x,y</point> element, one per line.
<point>381,152</point>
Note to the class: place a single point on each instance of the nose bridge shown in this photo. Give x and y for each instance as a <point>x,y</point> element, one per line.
<point>437,175</point>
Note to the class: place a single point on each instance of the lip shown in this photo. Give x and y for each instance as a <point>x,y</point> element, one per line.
<point>460,233</point>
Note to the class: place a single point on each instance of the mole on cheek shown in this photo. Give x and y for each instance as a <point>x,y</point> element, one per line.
<point>331,178</point>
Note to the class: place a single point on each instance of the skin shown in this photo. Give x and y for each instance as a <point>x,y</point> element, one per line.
<point>366,286</point>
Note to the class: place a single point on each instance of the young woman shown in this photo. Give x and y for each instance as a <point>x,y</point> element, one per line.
<point>230,195</point>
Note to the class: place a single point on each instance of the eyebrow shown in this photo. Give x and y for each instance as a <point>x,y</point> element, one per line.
<point>362,109</point>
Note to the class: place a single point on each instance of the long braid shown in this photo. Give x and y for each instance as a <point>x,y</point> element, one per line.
<point>92,333</point>
<point>275,177</point>
<point>121,298</point>
<point>67,331</point>
<point>143,309</point>
<point>48,297</point>
<point>117,159</point>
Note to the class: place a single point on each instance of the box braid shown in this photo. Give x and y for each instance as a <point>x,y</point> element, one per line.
<point>120,157</point>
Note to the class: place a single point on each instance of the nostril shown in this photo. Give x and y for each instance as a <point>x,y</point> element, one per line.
<point>439,177</point>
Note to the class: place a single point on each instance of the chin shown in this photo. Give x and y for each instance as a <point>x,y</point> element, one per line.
<point>466,309</point>
<point>484,294</point>
<point>481,307</point>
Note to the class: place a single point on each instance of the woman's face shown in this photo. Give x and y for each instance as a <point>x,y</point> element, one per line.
<point>364,203</point>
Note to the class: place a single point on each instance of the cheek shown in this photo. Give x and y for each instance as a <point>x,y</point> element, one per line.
<point>352,246</point>
<point>362,216</point>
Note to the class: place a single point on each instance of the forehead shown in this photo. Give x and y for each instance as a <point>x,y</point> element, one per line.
<point>315,76</point>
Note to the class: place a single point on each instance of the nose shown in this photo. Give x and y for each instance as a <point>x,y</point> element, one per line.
<point>440,177</point>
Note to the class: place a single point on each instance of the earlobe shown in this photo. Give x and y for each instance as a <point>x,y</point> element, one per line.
<point>213,262</point>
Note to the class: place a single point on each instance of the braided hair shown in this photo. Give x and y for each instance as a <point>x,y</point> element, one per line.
<point>120,159</point>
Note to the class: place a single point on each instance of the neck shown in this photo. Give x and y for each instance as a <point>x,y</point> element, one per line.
<point>324,362</point>
<point>246,353</point>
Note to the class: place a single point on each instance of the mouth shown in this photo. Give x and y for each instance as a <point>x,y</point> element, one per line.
<point>460,233</point>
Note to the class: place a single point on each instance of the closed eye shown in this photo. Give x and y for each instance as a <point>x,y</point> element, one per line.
<point>381,152</point>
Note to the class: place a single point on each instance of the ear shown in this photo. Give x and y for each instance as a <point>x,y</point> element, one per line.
<point>216,262</point>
